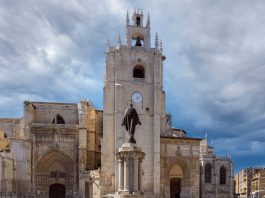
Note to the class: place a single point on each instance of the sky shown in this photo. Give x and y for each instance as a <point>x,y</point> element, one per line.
<point>214,74</point>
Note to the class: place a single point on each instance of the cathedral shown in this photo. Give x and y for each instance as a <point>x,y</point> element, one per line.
<point>59,150</point>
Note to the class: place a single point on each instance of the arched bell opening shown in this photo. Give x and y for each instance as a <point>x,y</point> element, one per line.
<point>138,21</point>
<point>137,40</point>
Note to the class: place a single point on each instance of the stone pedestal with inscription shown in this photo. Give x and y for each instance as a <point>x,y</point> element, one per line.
<point>129,159</point>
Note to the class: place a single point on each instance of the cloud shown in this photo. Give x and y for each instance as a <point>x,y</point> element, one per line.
<point>214,72</point>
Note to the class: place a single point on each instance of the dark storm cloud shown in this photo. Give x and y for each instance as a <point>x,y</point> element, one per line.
<point>52,51</point>
<point>214,72</point>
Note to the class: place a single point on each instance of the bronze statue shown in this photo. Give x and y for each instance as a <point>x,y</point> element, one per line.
<point>130,120</point>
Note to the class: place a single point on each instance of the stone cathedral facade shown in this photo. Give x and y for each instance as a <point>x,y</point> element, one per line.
<point>69,150</point>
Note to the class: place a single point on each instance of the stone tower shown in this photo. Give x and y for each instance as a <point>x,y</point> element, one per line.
<point>134,73</point>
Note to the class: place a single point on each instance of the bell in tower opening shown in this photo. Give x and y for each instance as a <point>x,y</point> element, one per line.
<point>138,42</point>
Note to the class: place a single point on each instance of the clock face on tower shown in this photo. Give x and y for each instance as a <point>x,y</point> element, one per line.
<point>137,97</point>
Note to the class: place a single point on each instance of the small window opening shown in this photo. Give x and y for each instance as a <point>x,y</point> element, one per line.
<point>222,176</point>
<point>138,21</point>
<point>138,72</point>
<point>58,120</point>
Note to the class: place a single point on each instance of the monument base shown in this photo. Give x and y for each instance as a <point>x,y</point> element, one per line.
<point>129,158</point>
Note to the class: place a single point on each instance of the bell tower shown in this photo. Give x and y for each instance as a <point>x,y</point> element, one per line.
<point>134,74</point>
<point>136,34</point>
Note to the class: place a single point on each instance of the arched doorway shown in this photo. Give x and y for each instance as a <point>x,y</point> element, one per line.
<point>54,173</point>
<point>57,191</point>
<point>176,176</point>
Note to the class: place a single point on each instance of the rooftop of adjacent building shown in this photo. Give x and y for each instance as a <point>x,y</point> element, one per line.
<point>10,120</point>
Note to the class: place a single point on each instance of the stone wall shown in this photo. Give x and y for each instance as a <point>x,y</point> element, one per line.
<point>183,153</point>
<point>11,126</point>
<point>7,173</point>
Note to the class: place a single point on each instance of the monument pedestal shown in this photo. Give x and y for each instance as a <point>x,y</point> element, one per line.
<point>129,158</point>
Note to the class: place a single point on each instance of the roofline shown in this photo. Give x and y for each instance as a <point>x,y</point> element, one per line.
<point>183,138</point>
<point>60,103</point>
<point>10,120</point>
<point>179,130</point>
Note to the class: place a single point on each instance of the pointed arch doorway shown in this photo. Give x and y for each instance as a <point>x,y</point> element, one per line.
<point>54,175</point>
<point>57,191</point>
<point>178,182</point>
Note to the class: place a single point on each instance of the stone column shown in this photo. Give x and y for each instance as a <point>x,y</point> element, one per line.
<point>126,174</point>
<point>140,175</point>
<point>121,175</point>
<point>135,175</point>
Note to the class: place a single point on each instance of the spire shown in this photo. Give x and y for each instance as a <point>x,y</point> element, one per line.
<point>107,44</point>
<point>156,42</point>
<point>127,18</point>
<point>148,20</point>
<point>119,40</point>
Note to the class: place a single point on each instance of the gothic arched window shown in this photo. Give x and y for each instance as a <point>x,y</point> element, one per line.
<point>208,173</point>
<point>138,72</point>
<point>222,175</point>
<point>58,120</point>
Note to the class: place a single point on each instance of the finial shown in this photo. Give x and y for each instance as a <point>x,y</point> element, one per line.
<point>156,41</point>
<point>161,47</point>
<point>206,136</point>
<point>134,11</point>
<point>119,39</point>
<point>127,18</point>
<point>107,43</point>
<point>148,20</point>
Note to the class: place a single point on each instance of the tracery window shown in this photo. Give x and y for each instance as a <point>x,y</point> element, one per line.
<point>58,120</point>
<point>223,175</point>
<point>208,173</point>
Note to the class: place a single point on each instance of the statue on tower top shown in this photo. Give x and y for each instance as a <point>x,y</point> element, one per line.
<point>130,120</point>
